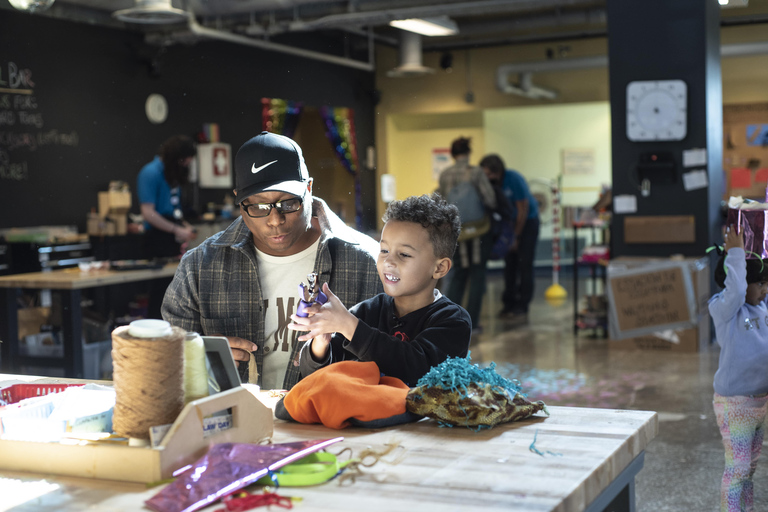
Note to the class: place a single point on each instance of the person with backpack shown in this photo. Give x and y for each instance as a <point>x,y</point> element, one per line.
<point>467,187</point>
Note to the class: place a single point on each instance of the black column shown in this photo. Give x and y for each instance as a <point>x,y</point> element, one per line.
<point>655,40</point>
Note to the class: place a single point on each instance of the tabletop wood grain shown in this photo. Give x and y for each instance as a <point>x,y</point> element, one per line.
<point>74,278</point>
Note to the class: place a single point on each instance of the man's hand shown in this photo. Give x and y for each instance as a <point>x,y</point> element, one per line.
<point>241,348</point>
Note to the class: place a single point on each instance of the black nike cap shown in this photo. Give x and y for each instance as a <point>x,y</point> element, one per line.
<point>270,162</point>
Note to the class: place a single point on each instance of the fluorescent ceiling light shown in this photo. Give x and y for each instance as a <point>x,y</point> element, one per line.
<point>725,4</point>
<point>441,26</point>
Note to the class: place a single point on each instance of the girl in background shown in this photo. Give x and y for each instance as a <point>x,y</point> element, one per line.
<point>740,401</point>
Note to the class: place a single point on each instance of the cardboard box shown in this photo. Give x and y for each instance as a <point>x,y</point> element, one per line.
<point>660,229</point>
<point>646,295</point>
<point>30,320</point>
<point>111,225</point>
<point>120,222</point>
<point>113,201</point>
<point>693,339</point>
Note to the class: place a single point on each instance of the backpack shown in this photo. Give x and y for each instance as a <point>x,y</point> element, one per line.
<point>467,199</point>
<point>474,221</point>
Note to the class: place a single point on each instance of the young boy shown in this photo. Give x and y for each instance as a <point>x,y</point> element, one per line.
<point>411,327</point>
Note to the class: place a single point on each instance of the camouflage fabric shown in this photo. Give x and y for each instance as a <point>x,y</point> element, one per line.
<point>479,405</point>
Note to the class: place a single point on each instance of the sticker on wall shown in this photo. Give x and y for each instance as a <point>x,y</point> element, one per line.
<point>695,180</point>
<point>441,159</point>
<point>757,135</point>
<point>214,163</point>
<point>625,204</point>
<point>388,188</point>
<point>694,157</point>
<point>578,161</point>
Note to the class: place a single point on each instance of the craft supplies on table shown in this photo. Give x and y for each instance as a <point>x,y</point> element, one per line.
<point>18,392</point>
<point>232,414</point>
<point>184,443</point>
<point>48,418</point>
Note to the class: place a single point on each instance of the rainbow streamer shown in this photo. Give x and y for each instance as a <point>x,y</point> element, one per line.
<point>340,130</point>
<point>280,116</point>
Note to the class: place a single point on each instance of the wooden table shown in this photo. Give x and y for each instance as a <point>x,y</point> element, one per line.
<point>591,457</point>
<point>68,283</point>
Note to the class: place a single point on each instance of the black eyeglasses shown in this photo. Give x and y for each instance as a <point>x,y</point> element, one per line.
<point>257,210</point>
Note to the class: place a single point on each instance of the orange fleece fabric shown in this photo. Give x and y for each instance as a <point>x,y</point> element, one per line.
<point>347,389</point>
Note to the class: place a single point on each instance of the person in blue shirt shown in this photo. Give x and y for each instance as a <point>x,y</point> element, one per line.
<point>159,186</point>
<point>740,400</point>
<point>159,189</point>
<point>519,260</point>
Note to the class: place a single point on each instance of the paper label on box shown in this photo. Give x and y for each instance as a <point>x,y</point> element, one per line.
<point>157,433</point>
<point>216,424</point>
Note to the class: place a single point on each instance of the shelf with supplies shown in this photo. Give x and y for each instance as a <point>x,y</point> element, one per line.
<point>590,311</point>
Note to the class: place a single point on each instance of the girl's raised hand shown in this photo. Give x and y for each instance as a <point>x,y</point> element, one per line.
<point>733,239</point>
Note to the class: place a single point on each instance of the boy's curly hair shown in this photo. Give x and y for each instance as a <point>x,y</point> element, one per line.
<point>757,271</point>
<point>435,214</point>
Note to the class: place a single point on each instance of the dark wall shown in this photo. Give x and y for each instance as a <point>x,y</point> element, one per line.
<point>662,40</point>
<point>82,123</point>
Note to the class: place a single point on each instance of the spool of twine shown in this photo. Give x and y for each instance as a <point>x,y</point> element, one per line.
<point>195,370</point>
<point>148,375</point>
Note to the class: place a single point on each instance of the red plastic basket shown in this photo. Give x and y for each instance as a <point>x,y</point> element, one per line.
<point>18,392</point>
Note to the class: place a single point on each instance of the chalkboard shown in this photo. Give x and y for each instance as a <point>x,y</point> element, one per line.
<point>72,116</point>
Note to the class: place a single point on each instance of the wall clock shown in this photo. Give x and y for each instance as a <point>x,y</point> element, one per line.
<point>657,110</point>
<point>156,108</point>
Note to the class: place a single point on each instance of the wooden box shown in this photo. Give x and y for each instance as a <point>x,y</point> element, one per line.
<point>113,201</point>
<point>183,445</point>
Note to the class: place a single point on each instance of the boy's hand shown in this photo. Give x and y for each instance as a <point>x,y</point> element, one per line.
<point>325,319</point>
<point>733,239</point>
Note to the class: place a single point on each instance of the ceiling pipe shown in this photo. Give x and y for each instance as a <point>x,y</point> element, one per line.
<point>744,49</point>
<point>524,70</point>
<point>526,88</point>
<point>220,35</point>
<point>472,8</point>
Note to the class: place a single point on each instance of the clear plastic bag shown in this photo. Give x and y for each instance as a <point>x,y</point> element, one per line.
<point>227,468</point>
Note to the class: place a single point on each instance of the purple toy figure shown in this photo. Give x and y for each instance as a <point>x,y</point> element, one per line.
<point>310,295</point>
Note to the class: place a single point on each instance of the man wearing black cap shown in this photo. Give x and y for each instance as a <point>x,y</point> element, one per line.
<point>243,283</point>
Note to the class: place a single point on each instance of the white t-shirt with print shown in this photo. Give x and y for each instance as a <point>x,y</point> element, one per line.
<point>280,277</point>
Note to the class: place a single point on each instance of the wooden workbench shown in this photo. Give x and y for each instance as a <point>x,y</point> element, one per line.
<point>591,457</point>
<point>68,283</point>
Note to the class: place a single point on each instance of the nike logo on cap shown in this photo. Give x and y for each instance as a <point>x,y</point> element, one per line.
<point>255,169</point>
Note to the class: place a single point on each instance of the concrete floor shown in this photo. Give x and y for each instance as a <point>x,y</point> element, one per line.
<point>684,463</point>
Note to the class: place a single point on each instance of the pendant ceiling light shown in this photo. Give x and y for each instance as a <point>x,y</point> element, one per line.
<point>152,12</point>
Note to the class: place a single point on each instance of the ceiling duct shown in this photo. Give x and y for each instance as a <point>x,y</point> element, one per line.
<point>410,57</point>
<point>152,12</point>
<point>525,87</point>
